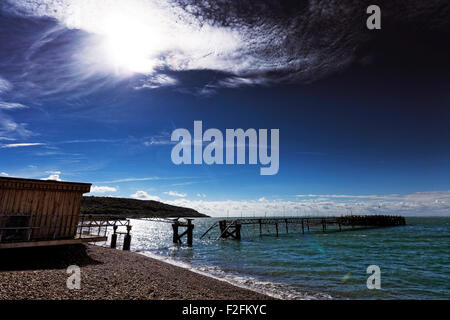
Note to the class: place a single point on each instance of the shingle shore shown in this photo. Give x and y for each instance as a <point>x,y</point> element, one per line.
<point>40,273</point>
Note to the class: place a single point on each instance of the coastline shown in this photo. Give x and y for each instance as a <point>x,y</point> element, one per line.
<point>273,291</point>
<point>107,274</point>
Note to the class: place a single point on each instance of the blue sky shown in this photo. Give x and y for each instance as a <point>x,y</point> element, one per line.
<point>363,139</point>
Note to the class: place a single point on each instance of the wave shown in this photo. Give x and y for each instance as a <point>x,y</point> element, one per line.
<point>272,289</point>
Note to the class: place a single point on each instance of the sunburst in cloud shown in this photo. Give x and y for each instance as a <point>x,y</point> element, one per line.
<point>248,43</point>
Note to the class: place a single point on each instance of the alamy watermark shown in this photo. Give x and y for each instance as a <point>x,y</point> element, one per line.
<point>374,280</point>
<point>235,140</point>
<point>74,280</point>
<point>373,22</point>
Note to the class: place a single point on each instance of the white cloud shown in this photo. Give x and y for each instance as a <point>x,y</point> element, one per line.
<point>19,145</point>
<point>201,195</point>
<point>131,180</point>
<point>184,183</point>
<point>347,196</point>
<point>4,174</point>
<point>102,189</point>
<point>9,128</point>
<point>5,85</point>
<point>157,81</point>
<point>175,194</point>
<point>236,82</point>
<point>11,105</point>
<point>254,43</point>
<point>143,179</point>
<point>142,36</point>
<point>154,141</point>
<point>54,175</point>
<point>142,195</point>
<point>431,203</point>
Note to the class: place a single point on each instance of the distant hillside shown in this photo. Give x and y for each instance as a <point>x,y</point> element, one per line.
<point>133,208</point>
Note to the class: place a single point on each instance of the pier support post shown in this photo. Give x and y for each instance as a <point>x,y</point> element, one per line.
<point>222,226</point>
<point>276,227</point>
<point>260,228</point>
<point>324,225</point>
<point>238,231</point>
<point>127,240</point>
<point>188,232</point>
<point>285,220</point>
<point>303,227</point>
<point>175,237</point>
<point>114,238</point>
<point>190,228</point>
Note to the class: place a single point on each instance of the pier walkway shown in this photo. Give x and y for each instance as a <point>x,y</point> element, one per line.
<point>276,225</point>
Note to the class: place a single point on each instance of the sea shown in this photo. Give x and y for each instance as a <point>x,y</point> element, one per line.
<point>412,260</point>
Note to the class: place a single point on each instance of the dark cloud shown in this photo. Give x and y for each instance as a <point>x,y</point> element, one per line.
<point>306,40</point>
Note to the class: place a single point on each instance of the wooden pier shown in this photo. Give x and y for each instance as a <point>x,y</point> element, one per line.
<point>188,232</point>
<point>177,224</point>
<point>232,228</point>
<point>99,224</point>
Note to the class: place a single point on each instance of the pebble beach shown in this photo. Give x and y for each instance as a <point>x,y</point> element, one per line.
<point>106,274</point>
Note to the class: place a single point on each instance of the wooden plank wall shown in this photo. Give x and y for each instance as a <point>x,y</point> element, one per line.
<point>52,207</point>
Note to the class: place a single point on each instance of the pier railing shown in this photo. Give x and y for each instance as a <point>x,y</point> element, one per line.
<point>276,225</point>
<point>31,227</point>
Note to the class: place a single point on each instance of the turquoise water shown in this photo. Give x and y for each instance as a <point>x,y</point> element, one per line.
<point>413,259</point>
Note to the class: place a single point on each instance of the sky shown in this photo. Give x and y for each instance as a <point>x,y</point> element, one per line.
<point>92,91</point>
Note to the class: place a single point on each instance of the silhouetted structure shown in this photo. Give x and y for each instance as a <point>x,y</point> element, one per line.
<point>41,213</point>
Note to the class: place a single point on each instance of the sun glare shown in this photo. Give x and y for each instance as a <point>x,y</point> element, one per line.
<point>130,45</point>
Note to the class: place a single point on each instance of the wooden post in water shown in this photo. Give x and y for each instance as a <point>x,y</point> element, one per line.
<point>188,232</point>
<point>114,238</point>
<point>303,228</point>
<point>324,225</point>
<point>260,228</point>
<point>127,240</point>
<point>222,226</point>
<point>238,231</point>
<point>190,228</point>
<point>175,232</point>
<point>285,220</point>
<point>276,227</point>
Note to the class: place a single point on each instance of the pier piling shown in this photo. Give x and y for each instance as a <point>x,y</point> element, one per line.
<point>188,232</point>
<point>190,228</point>
<point>232,228</point>
<point>127,240</point>
<point>175,238</point>
<point>114,238</point>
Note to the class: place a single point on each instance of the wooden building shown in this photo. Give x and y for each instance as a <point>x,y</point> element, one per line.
<point>40,212</point>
